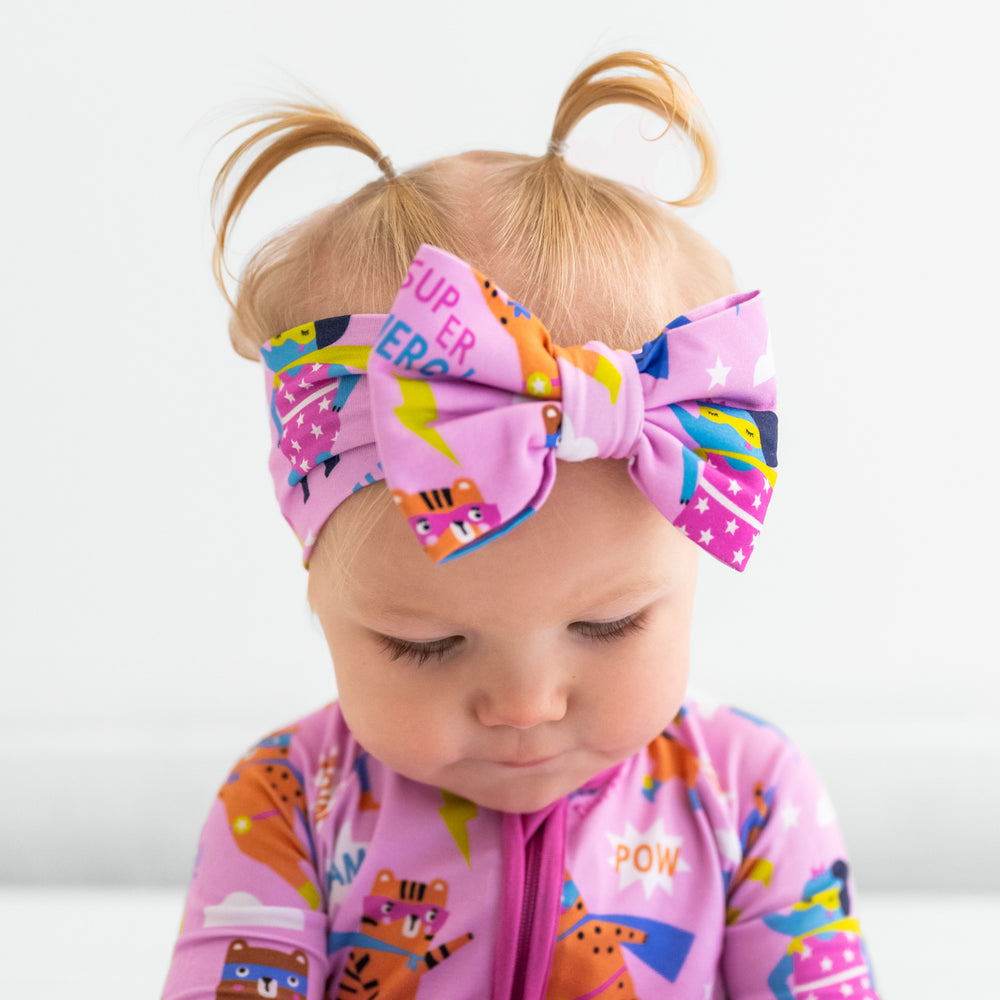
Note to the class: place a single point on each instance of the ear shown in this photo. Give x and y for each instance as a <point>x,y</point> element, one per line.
<point>301,958</point>
<point>384,876</point>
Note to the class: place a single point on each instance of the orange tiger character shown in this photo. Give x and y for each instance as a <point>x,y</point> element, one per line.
<point>391,954</point>
<point>588,960</point>
<point>448,518</point>
<point>263,796</point>
<point>537,353</point>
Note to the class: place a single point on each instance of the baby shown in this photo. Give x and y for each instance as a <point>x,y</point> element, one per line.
<point>512,796</point>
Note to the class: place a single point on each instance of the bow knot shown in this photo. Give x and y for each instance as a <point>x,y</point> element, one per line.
<point>598,378</point>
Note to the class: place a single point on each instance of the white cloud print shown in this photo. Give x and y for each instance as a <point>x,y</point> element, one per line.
<point>242,909</point>
<point>572,448</point>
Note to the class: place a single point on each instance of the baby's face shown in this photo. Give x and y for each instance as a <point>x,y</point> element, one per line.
<point>516,673</point>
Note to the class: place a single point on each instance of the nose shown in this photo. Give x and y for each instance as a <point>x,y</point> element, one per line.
<point>522,696</point>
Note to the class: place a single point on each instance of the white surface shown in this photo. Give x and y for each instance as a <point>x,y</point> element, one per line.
<point>151,594</point>
<point>116,944</point>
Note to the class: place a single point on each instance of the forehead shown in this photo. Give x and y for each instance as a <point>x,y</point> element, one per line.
<point>595,541</point>
<point>617,274</point>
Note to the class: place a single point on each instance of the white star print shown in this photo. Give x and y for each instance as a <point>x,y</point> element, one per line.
<point>734,487</point>
<point>316,368</point>
<point>719,372</point>
<point>731,527</point>
<point>298,423</point>
<point>756,501</point>
<point>826,964</point>
<point>738,557</point>
<point>289,397</point>
<point>790,815</point>
<point>324,403</point>
<point>706,536</point>
<point>702,505</point>
<point>296,446</point>
<point>537,386</point>
<point>315,431</point>
<point>304,465</point>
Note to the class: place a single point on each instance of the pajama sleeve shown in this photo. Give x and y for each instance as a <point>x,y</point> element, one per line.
<point>792,930</point>
<point>254,920</point>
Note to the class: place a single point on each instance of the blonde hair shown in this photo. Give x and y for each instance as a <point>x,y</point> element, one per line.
<point>591,256</point>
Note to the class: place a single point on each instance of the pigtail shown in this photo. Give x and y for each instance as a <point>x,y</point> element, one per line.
<point>286,130</point>
<point>387,222</point>
<point>569,229</point>
<point>664,91</point>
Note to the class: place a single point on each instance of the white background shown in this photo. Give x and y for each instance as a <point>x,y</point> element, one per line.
<point>154,620</point>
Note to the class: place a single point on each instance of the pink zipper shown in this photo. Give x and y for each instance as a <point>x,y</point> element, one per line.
<point>529,903</point>
<point>533,874</point>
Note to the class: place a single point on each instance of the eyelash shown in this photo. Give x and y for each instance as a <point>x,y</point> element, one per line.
<point>421,652</point>
<point>610,631</point>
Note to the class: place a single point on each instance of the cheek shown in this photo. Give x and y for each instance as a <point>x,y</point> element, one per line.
<point>647,691</point>
<point>652,698</point>
<point>394,709</point>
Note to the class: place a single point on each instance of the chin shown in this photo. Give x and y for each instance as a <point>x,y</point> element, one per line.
<point>519,797</point>
<point>517,803</point>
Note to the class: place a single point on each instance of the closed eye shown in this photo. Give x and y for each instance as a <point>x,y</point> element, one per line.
<point>609,631</point>
<point>418,652</point>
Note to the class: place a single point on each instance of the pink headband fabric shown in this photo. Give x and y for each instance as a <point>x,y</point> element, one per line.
<point>461,402</point>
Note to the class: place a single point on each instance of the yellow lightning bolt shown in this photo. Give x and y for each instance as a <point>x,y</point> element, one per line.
<point>609,376</point>
<point>456,813</point>
<point>596,365</point>
<point>416,412</point>
<point>761,871</point>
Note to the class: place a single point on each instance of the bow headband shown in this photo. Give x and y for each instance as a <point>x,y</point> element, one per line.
<point>460,401</point>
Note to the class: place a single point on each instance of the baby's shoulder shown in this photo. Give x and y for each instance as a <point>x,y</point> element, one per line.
<point>739,750</point>
<point>726,731</point>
